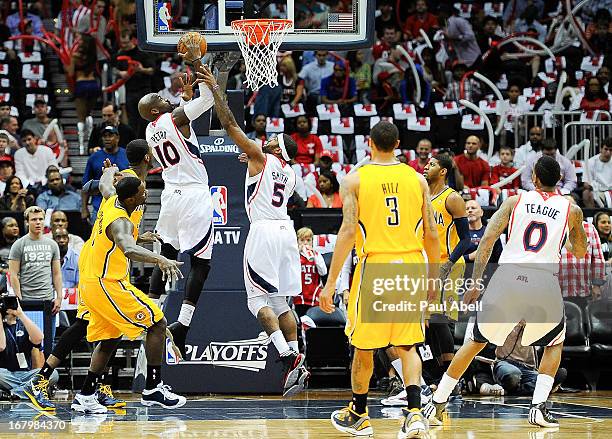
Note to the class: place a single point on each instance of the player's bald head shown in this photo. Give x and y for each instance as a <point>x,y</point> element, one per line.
<point>152,105</point>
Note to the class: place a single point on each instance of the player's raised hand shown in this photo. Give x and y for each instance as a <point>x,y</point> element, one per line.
<point>170,269</point>
<point>187,86</point>
<point>192,50</point>
<point>209,78</point>
<point>326,298</point>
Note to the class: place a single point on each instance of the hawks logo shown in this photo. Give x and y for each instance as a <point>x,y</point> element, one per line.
<point>219,202</point>
<point>140,315</point>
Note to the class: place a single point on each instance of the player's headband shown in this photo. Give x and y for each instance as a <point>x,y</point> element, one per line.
<point>281,143</point>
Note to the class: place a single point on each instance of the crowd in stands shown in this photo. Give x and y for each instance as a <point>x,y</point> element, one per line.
<point>428,57</point>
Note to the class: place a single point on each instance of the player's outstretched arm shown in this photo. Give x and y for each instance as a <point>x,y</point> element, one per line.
<point>345,240</point>
<point>106,186</point>
<point>121,232</point>
<point>578,243</point>
<point>226,117</point>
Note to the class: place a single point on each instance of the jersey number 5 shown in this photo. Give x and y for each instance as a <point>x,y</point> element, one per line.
<point>168,155</point>
<point>278,194</point>
<point>394,218</point>
<point>532,227</point>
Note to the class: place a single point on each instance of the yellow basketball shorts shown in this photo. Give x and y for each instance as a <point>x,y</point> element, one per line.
<point>117,308</point>
<point>82,310</point>
<point>365,334</point>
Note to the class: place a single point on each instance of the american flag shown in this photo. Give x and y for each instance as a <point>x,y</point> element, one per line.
<point>336,21</point>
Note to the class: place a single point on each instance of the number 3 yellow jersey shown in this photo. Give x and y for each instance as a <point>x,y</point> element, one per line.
<point>390,208</point>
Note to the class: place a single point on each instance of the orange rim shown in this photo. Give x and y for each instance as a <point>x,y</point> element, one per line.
<point>258,30</point>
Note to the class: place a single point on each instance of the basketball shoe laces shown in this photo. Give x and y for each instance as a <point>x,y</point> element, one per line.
<point>43,386</point>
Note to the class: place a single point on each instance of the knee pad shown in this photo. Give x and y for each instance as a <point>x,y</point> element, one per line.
<point>256,303</point>
<point>279,305</point>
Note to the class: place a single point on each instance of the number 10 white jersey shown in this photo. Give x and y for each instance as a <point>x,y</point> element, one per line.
<point>266,194</point>
<point>179,157</point>
<point>537,229</point>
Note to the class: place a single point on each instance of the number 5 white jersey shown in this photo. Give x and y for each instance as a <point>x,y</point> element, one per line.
<point>179,157</point>
<point>537,229</point>
<point>266,194</point>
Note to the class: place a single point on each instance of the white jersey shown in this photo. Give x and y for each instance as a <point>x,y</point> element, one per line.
<point>180,158</point>
<point>266,194</point>
<point>537,230</point>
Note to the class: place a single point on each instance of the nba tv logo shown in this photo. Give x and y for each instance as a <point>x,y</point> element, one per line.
<point>219,202</point>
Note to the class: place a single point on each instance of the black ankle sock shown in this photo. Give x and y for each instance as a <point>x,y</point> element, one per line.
<point>360,401</point>
<point>413,396</point>
<point>153,377</point>
<point>90,384</point>
<point>46,371</point>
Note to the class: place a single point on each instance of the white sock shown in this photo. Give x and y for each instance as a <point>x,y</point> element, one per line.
<point>445,388</point>
<point>278,339</point>
<point>543,387</point>
<point>397,365</point>
<point>186,314</point>
<point>294,345</point>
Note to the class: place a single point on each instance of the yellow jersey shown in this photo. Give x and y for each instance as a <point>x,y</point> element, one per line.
<point>447,232</point>
<point>390,208</point>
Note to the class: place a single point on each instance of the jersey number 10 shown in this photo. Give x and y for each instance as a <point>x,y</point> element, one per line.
<point>168,155</point>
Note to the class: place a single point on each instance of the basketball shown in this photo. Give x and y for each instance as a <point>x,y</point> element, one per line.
<point>192,38</point>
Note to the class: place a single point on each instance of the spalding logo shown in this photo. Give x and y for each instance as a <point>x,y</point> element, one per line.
<point>248,355</point>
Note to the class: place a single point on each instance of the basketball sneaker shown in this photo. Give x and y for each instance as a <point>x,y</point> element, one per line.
<point>162,396</point>
<point>293,362</point>
<point>395,387</point>
<point>179,336</point>
<point>539,415</point>
<point>491,389</point>
<point>87,404</point>
<point>347,420</point>
<point>106,397</point>
<point>414,426</point>
<point>37,389</point>
<point>300,384</point>
<point>400,400</point>
<point>435,412</point>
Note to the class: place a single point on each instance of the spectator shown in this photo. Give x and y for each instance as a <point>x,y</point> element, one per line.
<point>599,176</point>
<point>334,89</point>
<point>603,74</point>
<point>455,179</point>
<point>309,147</point>
<point>529,150</point>
<point>10,234</point>
<point>6,167</point>
<point>138,84</point>
<point>509,109</point>
<point>31,162</point>
<point>505,169</point>
<point>14,24</point>
<point>312,74</point>
<point>20,352</point>
<point>433,73</point>
<point>39,123</point>
<point>595,98</point>
<point>528,21</point>
<point>95,163</point>
<point>581,278</point>
<point>16,198</point>
<point>259,124</point>
<point>100,25</point>
<point>110,116</point>
<point>423,151</point>
<point>488,36</point>
<point>68,257</point>
<point>421,19</point>
<point>548,102</point>
<point>292,87</point>
<point>601,39</point>
<point>460,34</point>
<point>313,268</point>
<point>515,9</point>
<point>361,72</point>
<point>174,91</point>
<point>475,170</point>
<point>82,69</point>
<point>601,220</point>
<point>329,190</point>
<point>58,196</point>
<point>59,220</point>
<point>568,180</point>
<point>386,19</point>
<point>477,229</point>
<point>470,86</point>
<point>5,109</point>
<point>11,126</point>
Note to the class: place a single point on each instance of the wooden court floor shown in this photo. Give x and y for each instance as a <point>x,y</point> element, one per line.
<point>584,415</point>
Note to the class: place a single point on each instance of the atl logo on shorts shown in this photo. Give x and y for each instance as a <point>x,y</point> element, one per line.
<point>219,202</point>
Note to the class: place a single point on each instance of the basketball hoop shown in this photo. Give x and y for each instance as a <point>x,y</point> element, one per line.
<point>259,41</point>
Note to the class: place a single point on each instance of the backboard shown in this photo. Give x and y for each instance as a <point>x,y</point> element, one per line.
<point>322,24</point>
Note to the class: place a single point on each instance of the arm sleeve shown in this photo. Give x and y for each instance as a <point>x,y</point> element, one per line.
<point>92,187</point>
<point>197,107</point>
<point>463,230</point>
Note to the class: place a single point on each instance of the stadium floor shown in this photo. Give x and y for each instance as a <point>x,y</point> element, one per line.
<point>583,415</point>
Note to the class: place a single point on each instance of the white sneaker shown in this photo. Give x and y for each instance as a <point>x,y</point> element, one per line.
<point>491,389</point>
<point>400,400</point>
<point>87,404</point>
<point>162,396</point>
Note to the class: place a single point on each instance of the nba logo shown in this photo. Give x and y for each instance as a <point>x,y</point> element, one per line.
<point>164,18</point>
<point>170,355</point>
<point>219,202</point>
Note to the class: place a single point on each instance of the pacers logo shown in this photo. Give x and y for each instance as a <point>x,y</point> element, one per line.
<point>219,202</point>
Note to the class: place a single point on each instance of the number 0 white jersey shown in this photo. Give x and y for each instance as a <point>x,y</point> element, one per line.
<point>266,194</point>
<point>537,229</point>
<point>179,157</point>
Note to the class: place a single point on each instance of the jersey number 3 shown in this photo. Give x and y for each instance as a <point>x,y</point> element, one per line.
<point>168,155</point>
<point>394,218</point>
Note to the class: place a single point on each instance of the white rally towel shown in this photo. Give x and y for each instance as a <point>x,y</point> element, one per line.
<point>365,110</point>
<point>334,145</point>
<point>328,111</point>
<point>472,122</point>
<point>446,108</point>
<point>419,124</point>
<point>344,125</point>
<point>375,119</point>
<point>488,107</point>
<point>404,111</point>
<point>275,125</point>
<point>293,110</point>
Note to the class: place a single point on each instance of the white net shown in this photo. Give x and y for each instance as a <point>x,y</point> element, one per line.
<point>259,41</point>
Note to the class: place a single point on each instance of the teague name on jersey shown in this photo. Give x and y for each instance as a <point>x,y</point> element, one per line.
<point>538,209</point>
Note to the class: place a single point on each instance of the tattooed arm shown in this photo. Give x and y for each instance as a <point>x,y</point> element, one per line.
<point>577,243</point>
<point>345,240</point>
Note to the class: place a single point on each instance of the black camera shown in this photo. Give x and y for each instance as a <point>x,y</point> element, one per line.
<point>7,302</point>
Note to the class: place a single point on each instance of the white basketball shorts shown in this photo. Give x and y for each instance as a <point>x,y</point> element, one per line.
<point>272,259</point>
<point>185,220</point>
<point>519,293</point>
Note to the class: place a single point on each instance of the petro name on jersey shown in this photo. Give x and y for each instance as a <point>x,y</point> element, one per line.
<point>538,209</point>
